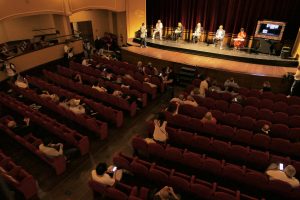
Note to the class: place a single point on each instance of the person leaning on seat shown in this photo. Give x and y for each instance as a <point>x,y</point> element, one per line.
<point>106,175</point>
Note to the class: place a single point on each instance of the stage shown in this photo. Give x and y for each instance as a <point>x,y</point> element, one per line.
<point>202,49</point>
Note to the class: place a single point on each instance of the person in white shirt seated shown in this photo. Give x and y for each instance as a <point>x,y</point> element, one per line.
<point>85,62</point>
<point>230,85</point>
<point>158,29</point>
<point>220,34</point>
<point>52,150</point>
<point>275,172</point>
<point>106,175</point>
<point>52,97</point>
<point>99,88</point>
<point>21,82</point>
<point>74,106</point>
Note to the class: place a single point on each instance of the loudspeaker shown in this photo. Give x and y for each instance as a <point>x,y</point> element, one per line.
<point>285,52</point>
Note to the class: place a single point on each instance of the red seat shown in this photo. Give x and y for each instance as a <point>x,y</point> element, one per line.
<point>221,105</point>
<point>267,95</point>
<point>158,177</point>
<point>209,103</point>
<point>280,107</point>
<point>294,110</point>
<point>279,130</point>
<point>294,121</point>
<point>217,114</point>
<point>252,101</point>
<point>281,146</point>
<point>113,193</point>
<point>279,187</point>
<point>235,108</point>
<point>193,160</point>
<point>280,118</point>
<point>209,128</point>
<point>295,149</point>
<point>219,147</point>
<point>238,153</point>
<point>225,131</point>
<point>280,159</point>
<point>266,104</point>
<point>203,143</point>
<point>256,179</point>
<point>254,93</point>
<point>230,119</point>
<point>179,183</point>
<point>261,141</point>
<point>156,150</point>
<point>265,114</point>
<point>224,196</point>
<point>250,111</point>
<point>243,136</point>
<point>213,166</point>
<point>139,169</point>
<point>202,191</point>
<point>294,100</point>
<point>140,145</point>
<point>258,158</point>
<point>279,97</point>
<point>234,172</point>
<point>246,123</point>
<point>226,96</point>
<point>173,154</point>
<point>294,133</point>
<point>243,91</point>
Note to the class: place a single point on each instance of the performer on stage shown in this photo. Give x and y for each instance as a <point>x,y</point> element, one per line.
<point>178,31</point>
<point>143,36</point>
<point>197,33</point>
<point>220,34</point>
<point>239,42</point>
<point>158,29</point>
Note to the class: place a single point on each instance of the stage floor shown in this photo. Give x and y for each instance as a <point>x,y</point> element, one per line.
<point>210,50</point>
<point>210,62</point>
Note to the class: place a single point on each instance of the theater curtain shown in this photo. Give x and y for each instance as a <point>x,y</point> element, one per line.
<point>233,14</point>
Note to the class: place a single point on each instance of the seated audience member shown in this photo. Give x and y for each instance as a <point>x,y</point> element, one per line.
<point>214,87</point>
<point>21,82</point>
<point>160,134</point>
<point>128,76</point>
<point>238,99</point>
<point>21,128</point>
<point>99,88</point>
<point>204,87</point>
<point>52,97</point>
<point>150,70</point>
<point>265,129</point>
<point>167,75</point>
<point>266,87</point>
<point>74,106</point>
<point>106,176</point>
<point>178,99</point>
<point>286,175</point>
<point>140,66</point>
<point>166,193</point>
<point>208,118</point>
<point>230,84</point>
<point>195,92</point>
<point>78,78</point>
<point>108,74</point>
<point>52,150</point>
<point>190,101</point>
<point>10,70</point>
<point>147,81</point>
<point>118,93</point>
<point>85,62</point>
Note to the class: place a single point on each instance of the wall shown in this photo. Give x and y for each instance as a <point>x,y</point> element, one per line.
<point>121,27</point>
<point>135,16</point>
<point>99,20</point>
<point>12,8</point>
<point>296,48</point>
<point>80,5</point>
<point>21,27</point>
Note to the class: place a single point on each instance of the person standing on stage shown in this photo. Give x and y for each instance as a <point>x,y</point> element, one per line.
<point>178,31</point>
<point>239,42</point>
<point>158,29</point>
<point>197,33</point>
<point>220,34</point>
<point>295,89</point>
<point>143,36</point>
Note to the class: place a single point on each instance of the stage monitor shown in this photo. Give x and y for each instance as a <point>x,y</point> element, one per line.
<point>270,30</point>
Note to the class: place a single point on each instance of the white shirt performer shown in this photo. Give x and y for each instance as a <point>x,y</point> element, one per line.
<point>158,29</point>
<point>220,34</point>
<point>197,32</point>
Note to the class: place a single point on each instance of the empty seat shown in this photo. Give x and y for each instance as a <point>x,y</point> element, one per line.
<point>261,140</point>
<point>279,187</point>
<point>225,131</point>
<point>193,160</point>
<point>265,114</point>
<point>294,100</point>
<point>258,159</point>
<point>266,104</point>
<point>202,191</point>
<point>221,105</point>
<point>246,123</point>
<point>294,110</point>
<point>281,146</point>
<point>279,130</point>
<point>158,177</point>
<point>257,179</point>
<point>294,121</point>
<point>280,107</point>
<point>139,169</point>
<point>213,166</point>
<point>156,150</point>
<point>279,97</point>
<point>238,153</point>
<point>243,136</point>
<point>234,172</point>
<point>230,119</point>
<point>209,128</point>
<point>217,114</point>
<point>173,154</point>
<point>219,147</point>
<point>209,103</point>
<point>179,183</point>
<point>267,95</point>
<point>223,196</point>
<point>235,108</point>
<point>280,118</point>
<point>250,111</point>
<point>294,133</point>
<point>252,101</point>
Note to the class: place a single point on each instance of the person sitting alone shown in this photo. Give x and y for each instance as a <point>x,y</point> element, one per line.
<point>230,85</point>
<point>85,62</point>
<point>266,87</point>
<point>147,81</point>
<point>106,175</point>
<point>52,97</point>
<point>160,134</point>
<point>286,175</point>
<point>178,99</point>
<point>214,87</point>
<point>52,150</point>
<point>208,118</point>
<point>166,193</point>
<point>21,82</point>
<point>74,106</point>
<point>99,88</point>
<point>265,129</point>
<point>78,78</point>
<point>204,87</point>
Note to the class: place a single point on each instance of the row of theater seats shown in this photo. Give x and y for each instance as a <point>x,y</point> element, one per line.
<point>198,164</point>
<point>92,80</point>
<point>68,135</point>
<point>96,126</point>
<point>89,91</point>
<point>107,113</point>
<point>293,100</point>
<point>17,177</point>
<point>251,102</point>
<point>236,153</point>
<point>277,145</point>
<point>120,191</point>
<point>135,84</point>
<point>240,122</point>
<point>32,144</point>
<point>189,186</point>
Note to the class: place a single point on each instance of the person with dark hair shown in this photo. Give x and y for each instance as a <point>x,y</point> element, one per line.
<point>204,87</point>
<point>106,175</point>
<point>286,174</point>
<point>160,134</point>
<point>266,87</point>
<point>143,35</point>
<point>166,193</point>
<point>295,89</point>
<point>230,85</point>
<point>78,78</point>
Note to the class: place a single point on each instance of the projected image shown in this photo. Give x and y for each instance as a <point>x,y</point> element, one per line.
<point>270,30</point>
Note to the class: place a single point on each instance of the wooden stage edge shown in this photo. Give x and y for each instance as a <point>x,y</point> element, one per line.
<point>235,67</point>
